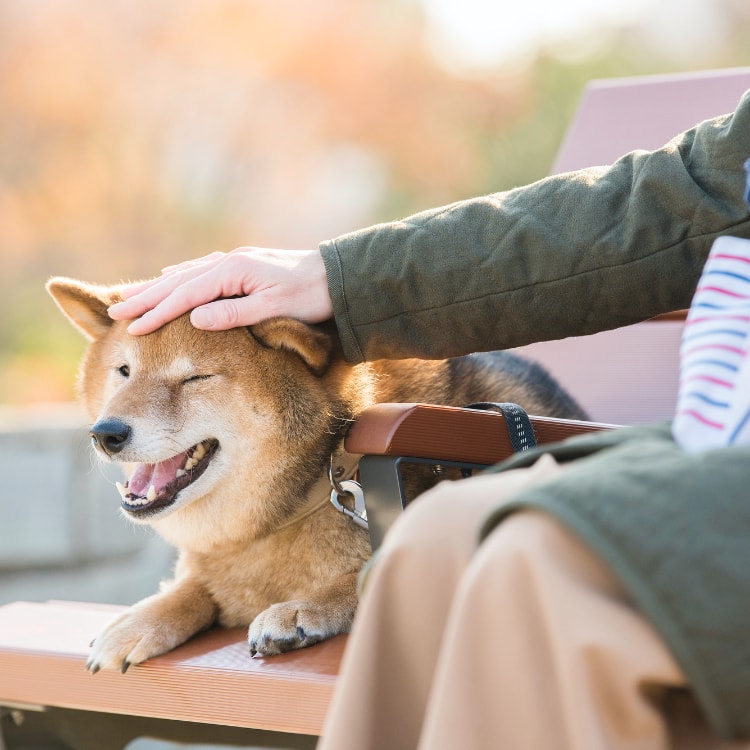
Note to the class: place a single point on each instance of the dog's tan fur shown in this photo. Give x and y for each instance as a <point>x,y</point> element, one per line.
<point>258,542</point>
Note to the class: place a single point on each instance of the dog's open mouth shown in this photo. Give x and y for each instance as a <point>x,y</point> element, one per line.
<point>156,486</point>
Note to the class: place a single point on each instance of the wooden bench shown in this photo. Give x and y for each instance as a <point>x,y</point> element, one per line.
<point>210,690</point>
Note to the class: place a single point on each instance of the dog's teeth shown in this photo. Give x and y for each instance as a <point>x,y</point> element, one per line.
<point>180,473</point>
<point>199,452</point>
<point>121,488</point>
<point>151,495</point>
<point>190,463</point>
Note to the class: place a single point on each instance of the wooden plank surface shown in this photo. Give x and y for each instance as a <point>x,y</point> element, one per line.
<point>211,679</point>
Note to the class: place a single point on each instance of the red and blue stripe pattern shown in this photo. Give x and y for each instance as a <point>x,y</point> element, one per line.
<point>713,405</point>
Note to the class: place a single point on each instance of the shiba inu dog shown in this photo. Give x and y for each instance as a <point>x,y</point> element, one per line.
<point>226,439</point>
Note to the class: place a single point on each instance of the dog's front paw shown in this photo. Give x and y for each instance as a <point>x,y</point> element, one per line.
<point>130,639</point>
<point>289,625</point>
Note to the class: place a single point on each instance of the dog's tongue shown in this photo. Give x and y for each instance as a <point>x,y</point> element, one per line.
<point>159,475</point>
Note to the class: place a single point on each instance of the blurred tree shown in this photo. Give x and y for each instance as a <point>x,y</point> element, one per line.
<point>136,135</point>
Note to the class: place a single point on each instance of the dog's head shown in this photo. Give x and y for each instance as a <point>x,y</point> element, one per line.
<point>192,412</point>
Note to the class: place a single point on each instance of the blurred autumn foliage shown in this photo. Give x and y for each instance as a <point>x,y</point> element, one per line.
<point>134,135</point>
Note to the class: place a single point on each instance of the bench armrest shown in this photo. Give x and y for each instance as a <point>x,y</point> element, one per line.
<point>389,435</point>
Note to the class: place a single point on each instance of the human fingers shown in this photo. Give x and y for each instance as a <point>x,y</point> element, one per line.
<point>136,288</point>
<point>298,290</point>
<point>139,298</point>
<point>162,303</point>
<point>223,314</point>
<point>222,276</point>
<point>247,310</point>
<point>239,288</point>
<point>197,264</point>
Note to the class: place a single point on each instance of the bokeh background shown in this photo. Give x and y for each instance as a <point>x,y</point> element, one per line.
<point>137,134</point>
<point>134,134</point>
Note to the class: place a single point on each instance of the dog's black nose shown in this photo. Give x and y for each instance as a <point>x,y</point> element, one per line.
<point>110,435</point>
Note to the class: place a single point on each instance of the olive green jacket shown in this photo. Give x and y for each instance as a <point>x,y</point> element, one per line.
<point>571,255</point>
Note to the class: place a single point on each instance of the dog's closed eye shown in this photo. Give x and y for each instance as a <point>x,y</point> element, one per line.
<point>194,378</point>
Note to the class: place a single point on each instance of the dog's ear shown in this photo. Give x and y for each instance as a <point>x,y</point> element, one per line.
<point>85,305</point>
<point>313,344</point>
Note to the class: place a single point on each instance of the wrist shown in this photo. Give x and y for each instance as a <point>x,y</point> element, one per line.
<point>315,287</point>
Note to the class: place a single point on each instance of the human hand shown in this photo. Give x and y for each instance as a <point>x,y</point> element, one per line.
<point>226,290</point>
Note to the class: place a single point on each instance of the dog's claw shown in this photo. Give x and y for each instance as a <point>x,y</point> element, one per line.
<point>92,666</point>
<point>125,666</point>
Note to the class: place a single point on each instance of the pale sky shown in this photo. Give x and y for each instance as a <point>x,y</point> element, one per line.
<point>468,34</point>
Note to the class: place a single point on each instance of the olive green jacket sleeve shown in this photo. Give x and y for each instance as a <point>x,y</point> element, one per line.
<point>568,255</point>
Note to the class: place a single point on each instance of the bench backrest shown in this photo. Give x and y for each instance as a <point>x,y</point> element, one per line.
<point>630,375</point>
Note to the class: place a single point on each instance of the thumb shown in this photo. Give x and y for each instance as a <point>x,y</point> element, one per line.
<point>219,315</point>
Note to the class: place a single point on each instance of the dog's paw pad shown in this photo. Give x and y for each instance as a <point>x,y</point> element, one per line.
<point>288,626</point>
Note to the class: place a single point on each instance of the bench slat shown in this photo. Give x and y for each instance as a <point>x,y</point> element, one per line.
<point>211,679</point>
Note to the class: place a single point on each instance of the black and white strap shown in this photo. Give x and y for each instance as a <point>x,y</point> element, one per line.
<point>517,421</point>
